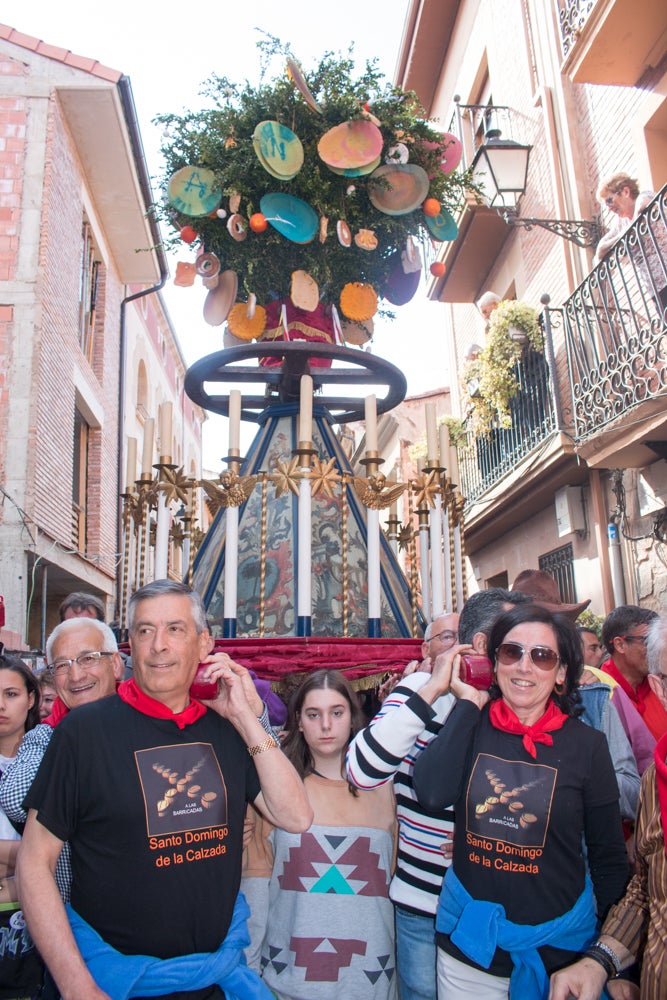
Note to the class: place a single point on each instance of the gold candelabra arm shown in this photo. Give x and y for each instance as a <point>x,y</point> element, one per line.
<point>324,476</point>
<point>286,477</point>
<point>229,491</point>
<point>374,491</point>
<point>425,488</point>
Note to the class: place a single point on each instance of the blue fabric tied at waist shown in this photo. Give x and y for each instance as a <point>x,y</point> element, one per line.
<point>477,928</point>
<point>125,976</point>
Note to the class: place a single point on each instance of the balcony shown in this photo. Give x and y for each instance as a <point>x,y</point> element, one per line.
<point>486,459</point>
<point>618,42</point>
<point>615,327</point>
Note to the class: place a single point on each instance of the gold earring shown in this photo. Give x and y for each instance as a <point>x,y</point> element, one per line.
<point>559,687</point>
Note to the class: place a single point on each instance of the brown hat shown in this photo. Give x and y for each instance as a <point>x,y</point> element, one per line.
<point>543,589</point>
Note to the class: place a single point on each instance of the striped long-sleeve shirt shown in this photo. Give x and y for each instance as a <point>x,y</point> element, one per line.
<point>639,920</point>
<point>387,749</point>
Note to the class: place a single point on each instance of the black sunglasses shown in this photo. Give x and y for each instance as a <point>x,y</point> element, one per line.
<point>542,656</point>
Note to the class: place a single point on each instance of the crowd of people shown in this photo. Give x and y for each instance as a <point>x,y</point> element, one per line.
<point>465,841</point>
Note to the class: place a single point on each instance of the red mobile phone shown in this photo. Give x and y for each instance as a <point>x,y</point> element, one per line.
<point>203,690</point>
<point>476,671</point>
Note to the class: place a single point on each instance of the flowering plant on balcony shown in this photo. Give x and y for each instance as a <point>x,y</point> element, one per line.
<point>514,327</point>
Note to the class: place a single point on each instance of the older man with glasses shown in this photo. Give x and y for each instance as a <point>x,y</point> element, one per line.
<point>84,663</point>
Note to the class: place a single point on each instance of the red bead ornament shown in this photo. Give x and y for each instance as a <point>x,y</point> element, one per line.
<point>431,207</point>
<point>188,234</point>
<point>258,222</point>
<point>437,269</point>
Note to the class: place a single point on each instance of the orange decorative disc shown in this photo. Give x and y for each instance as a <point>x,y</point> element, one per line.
<point>401,189</point>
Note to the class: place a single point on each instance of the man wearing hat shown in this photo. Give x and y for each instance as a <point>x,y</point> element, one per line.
<point>542,588</point>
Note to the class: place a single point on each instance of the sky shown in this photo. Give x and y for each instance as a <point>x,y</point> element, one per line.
<point>168,50</point>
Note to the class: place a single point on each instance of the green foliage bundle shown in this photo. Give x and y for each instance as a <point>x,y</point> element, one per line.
<point>220,138</point>
<point>494,372</point>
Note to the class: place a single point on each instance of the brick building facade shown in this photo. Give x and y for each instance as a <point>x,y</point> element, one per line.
<point>74,211</point>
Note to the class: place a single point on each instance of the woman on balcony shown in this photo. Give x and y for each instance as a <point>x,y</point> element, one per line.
<point>530,785</point>
<point>621,195</point>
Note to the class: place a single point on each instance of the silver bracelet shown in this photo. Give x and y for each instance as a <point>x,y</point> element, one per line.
<point>610,953</point>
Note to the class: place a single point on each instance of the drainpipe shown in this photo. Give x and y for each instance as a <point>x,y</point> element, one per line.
<point>130,112</point>
<point>615,562</point>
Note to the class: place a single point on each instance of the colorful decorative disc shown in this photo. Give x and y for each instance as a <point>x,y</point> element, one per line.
<point>452,155</point>
<point>358,171</point>
<point>278,149</point>
<point>220,299</point>
<point>401,285</point>
<point>299,82</point>
<point>192,191</point>
<point>292,217</point>
<point>401,188</point>
<point>350,145</point>
<point>442,227</point>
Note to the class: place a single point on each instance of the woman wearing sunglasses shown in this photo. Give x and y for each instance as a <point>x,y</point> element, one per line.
<point>531,785</point>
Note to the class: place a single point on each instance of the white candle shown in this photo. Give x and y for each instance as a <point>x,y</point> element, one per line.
<point>370,407</point>
<point>443,431</point>
<point>393,510</point>
<point>234,420</point>
<point>165,429</point>
<point>306,409</point>
<point>131,473</point>
<point>453,465</point>
<point>147,453</point>
<point>431,433</point>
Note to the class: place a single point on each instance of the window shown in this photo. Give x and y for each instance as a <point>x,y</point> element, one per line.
<point>560,563</point>
<point>88,291</point>
<point>79,481</point>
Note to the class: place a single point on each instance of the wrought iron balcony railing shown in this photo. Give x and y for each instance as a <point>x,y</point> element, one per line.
<point>616,325</point>
<point>485,459</point>
<point>572,16</point>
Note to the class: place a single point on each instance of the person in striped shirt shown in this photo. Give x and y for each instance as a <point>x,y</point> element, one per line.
<point>410,717</point>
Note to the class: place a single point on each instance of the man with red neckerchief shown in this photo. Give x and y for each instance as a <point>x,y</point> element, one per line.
<point>637,924</point>
<point>624,634</point>
<point>150,790</point>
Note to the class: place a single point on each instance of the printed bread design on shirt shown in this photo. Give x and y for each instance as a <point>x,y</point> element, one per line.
<point>502,796</point>
<point>510,800</point>
<point>184,785</point>
<point>183,788</point>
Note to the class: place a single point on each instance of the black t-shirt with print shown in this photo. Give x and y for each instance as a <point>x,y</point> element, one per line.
<point>154,815</point>
<point>520,820</point>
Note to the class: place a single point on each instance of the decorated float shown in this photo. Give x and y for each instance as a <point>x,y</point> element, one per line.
<point>300,209</point>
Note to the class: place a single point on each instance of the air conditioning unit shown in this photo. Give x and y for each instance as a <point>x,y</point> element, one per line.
<point>570,516</point>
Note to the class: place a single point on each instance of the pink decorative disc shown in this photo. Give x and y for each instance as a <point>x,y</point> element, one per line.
<point>350,145</point>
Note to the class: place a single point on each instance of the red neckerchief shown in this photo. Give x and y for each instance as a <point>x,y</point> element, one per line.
<point>661,779</point>
<point>502,717</point>
<point>131,693</point>
<point>610,668</point>
<point>58,712</point>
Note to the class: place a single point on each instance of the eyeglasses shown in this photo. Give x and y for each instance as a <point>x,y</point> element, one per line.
<point>445,636</point>
<point>635,638</point>
<point>87,661</point>
<point>542,656</point>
